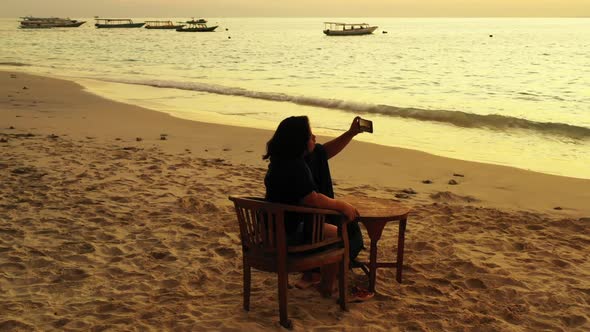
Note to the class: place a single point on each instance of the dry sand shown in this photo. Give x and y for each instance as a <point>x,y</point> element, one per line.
<point>100,230</point>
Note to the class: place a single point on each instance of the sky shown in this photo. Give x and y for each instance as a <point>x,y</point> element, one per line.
<point>296,8</point>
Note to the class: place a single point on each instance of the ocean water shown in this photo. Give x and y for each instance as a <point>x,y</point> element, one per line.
<point>505,91</point>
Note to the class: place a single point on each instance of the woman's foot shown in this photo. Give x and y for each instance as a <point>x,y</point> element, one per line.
<point>360,294</point>
<point>308,279</point>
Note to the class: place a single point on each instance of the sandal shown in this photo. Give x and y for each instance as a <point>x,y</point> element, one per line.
<point>360,294</point>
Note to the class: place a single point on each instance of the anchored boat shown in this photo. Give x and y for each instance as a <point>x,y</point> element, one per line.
<point>30,22</point>
<point>163,25</point>
<point>196,27</point>
<point>106,23</point>
<point>348,29</point>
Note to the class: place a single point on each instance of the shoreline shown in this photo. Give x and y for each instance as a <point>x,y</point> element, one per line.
<point>392,167</point>
<point>527,150</point>
<point>160,101</point>
<point>100,230</point>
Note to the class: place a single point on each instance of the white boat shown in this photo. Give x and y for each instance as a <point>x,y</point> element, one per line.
<point>348,29</point>
<point>30,22</point>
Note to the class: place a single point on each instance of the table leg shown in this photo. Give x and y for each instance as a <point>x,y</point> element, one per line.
<point>373,266</point>
<point>374,229</point>
<point>400,249</point>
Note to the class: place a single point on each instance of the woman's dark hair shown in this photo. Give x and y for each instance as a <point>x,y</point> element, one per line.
<point>290,139</point>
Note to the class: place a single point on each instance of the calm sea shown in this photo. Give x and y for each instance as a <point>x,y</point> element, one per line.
<point>505,91</point>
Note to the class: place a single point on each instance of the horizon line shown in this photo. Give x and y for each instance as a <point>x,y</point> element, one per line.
<point>1,17</point>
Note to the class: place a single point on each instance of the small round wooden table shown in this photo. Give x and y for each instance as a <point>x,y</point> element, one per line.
<point>375,213</point>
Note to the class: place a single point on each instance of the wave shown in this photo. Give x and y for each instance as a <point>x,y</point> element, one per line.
<point>14,64</point>
<point>457,118</point>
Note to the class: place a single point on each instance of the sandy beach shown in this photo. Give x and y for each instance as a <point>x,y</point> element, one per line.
<point>116,217</point>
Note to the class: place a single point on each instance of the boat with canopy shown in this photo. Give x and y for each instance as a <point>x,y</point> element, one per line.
<point>348,29</point>
<point>106,23</point>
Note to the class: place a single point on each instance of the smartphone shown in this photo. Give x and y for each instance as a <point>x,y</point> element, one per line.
<point>366,125</point>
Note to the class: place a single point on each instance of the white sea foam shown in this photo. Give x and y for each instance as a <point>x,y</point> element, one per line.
<point>457,118</point>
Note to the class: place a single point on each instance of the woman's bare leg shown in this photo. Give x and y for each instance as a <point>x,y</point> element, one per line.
<point>329,272</point>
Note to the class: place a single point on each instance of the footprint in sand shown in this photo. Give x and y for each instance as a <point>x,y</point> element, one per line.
<point>40,263</point>
<point>226,252</point>
<point>574,321</point>
<point>15,325</point>
<point>170,283</point>
<point>425,290</point>
<point>98,220</point>
<point>70,274</point>
<point>441,281</point>
<point>421,245</point>
<point>115,272</point>
<point>163,255</point>
<point>77,247</point>
<point>120,199</point>
<point>188,225</point>
<point>60,323</point>
<point>560,263</point>
<point>107,307</point>
<point>192,204</point>
<point>112,251</point>
<point>447,196</point>
<point>519,246</point>
<point>535,227</point>
<point>12,267</point>
<point>475,284</point>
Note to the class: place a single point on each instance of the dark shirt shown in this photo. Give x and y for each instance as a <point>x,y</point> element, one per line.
<point>288,181</point>
<point>318,164</point>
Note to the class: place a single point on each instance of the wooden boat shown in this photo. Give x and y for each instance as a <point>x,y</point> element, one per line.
<point>107,23</point>
<point>348,29</point>
<point>164,25</point>
<point>197,27</point>
<point>30,22</point>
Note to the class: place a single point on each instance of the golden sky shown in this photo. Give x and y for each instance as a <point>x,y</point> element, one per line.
<point>297,8</point>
